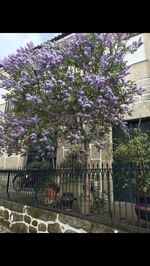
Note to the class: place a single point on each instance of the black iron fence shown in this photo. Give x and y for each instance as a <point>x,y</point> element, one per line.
<point>106,195</point>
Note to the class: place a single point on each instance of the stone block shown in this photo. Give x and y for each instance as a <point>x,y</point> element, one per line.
<point>16,216</point>
<point>27,219</point>
<point>32,229</point>
<point>54,228</point>
<point>42,227</point>
<point>6,215</point>
<point>34,222</point>
<point>4,222</point>
<point>19,228</point>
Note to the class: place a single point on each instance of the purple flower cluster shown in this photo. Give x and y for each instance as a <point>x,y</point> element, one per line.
<point>33,137</point>
<point>84,102</point>
<point>95,80</point>
<point>70,74</point>
<point>33,99</point>
<point>76,138</point>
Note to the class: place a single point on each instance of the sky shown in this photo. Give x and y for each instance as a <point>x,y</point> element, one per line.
<point>10,42</point>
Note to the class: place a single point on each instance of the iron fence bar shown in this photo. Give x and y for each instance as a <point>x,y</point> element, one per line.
<point>109,195</point>
<point>73,188</point>
<point>103,199</point>
<point>133,197</point>
<point>114,207</point>
<point>90,186</point>
<point>8,179</point>
<point>70,175</point>
<point>145,204</point>
<point>83,183</point>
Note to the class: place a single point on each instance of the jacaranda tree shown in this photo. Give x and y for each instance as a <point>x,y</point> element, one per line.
<point>74,90</point>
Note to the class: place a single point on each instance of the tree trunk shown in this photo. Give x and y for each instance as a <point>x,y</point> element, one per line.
<point>87,177</point>
<point>86,157</point>
<point>25,155</point>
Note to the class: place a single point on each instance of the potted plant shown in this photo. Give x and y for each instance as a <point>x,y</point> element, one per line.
<point>51,190</point>
<point>134,153</point>
<point>66,201</point>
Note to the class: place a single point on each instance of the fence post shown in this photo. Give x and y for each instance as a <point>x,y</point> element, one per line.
<point>7,189</point>
<point>109,195</point>
<point>103,198</point>
<point>36,185</point>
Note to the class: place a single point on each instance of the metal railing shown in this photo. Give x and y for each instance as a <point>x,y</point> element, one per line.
<point>106,195</point>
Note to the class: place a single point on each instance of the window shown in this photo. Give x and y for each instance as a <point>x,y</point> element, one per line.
<point>118,134</point>
<point>8,106</point>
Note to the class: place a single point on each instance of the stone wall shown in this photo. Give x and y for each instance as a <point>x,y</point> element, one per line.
<point>13,161</point>
<point>20,218</point>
